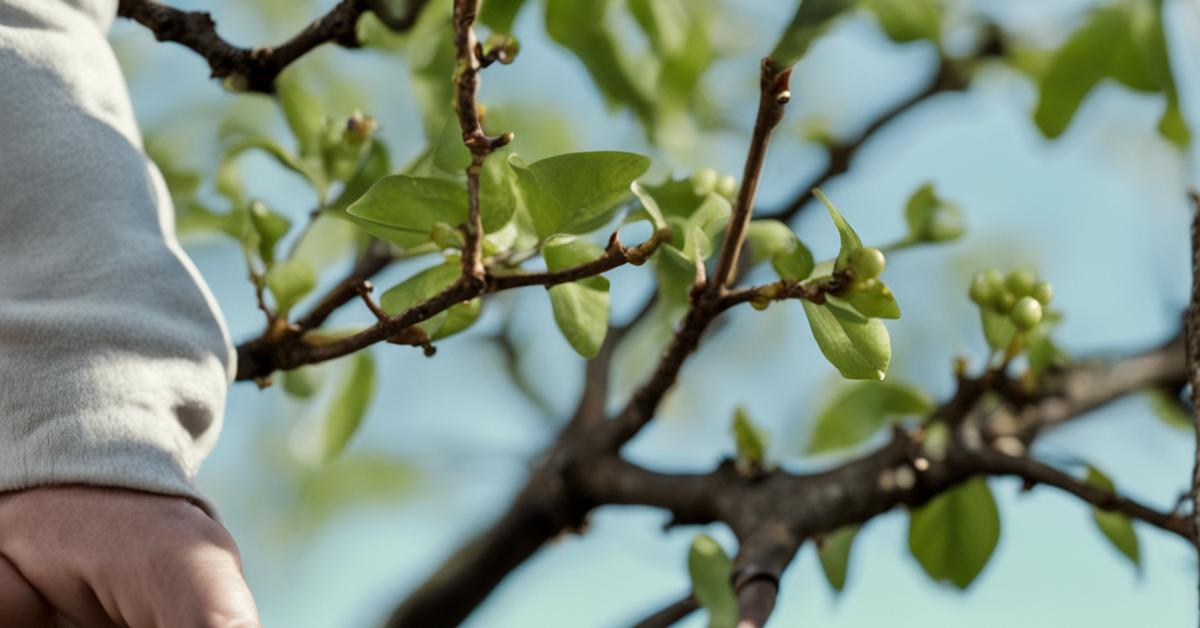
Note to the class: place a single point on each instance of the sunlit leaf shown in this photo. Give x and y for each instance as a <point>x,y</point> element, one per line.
<point>859,347</point>
<point>289,281</point>
<point>580,307</point>
<point>908,20</point>
<point>576,192</point>
<point>834,553</point>
<point>954,534</point>
<point>349,406</point>
<point>710,570</point>
<point>1116,527</point>
<point>811,20</point>
<point>752,441</point>
<point>860,410</point>
<point>422,287</point>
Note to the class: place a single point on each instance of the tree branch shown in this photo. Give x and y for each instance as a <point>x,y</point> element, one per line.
<point>1192,335</point>
<point>773,96</point>
<point>671,614</point>
<point>255,69</point>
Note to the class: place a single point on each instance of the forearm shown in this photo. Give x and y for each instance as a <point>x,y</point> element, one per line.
<point>114,361</point>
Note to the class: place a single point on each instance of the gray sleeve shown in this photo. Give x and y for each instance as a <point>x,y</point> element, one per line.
<point>114,359</point>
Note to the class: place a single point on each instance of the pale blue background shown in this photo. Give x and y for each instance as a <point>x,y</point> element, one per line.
<point>1101,212</point>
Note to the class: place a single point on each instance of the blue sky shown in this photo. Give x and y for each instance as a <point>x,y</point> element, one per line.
<point>1101,212</point>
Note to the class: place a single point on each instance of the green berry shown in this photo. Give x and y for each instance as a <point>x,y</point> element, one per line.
<point>704,181</point>
<point>1020,282</point>
<point>867,262</point>
<point>1043,292</point>
<point>727,186</point>
<point>982,290</point>
<point>1026,313</point>
<point>1003,301</point>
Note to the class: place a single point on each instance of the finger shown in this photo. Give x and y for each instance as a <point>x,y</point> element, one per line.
<point>21,605</point>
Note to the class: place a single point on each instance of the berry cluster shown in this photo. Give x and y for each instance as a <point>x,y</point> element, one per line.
<point>1019,294</point>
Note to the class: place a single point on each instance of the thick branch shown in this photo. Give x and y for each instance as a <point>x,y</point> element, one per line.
<point>255,69</point>
<point>1192,335</point>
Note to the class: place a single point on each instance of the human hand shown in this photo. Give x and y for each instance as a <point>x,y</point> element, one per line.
<point>101,557</point>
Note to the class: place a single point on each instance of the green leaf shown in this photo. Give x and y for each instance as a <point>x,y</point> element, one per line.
<point>859,347</point>
<point>997,328</point>
<point>289,281</point>
<point>270,227</point>
<point>581,26</point>
<point>812,19</point>
<point>752,440</point>
<point>459,317</point>
<point>581,307</point>
<point>930,218</point>
<point>649,205</point>
<point>376,166</point>
<point>834,553</point>
<point>850,241</point>
<point>796,264</point>
<point>419,288</point>
<point>1115,526</point>
<point>908,20</point>
<point>412,205</point>
<point>499,15</point>
<point>303,113</point>
<point>874,300</point>
<point>711,572</point>
<point>1124,42</point>
<point>310,170</point>
<point>954,534</point>
<point>768,238</point>
<point>860,410</point>
<point>576,192</point>
<point>302,383</point>
<point>1169,409</point>
<point>348,408</point>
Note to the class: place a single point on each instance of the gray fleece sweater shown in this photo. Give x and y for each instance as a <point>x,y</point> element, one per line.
<point>114,360</point>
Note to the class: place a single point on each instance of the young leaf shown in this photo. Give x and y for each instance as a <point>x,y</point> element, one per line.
<point>873,300</point>
<point>459,317</point>
<point>1169,410</point>
<point>752,441</point>
<point>303,113</point>
<point>908,20</point>
<point>649,204</point>
<point>860,410</point>
<point>930,218</point>
<point>711,570</point>
<point>834,553</point>
<point>812,18</point>
<point>290,281</point>
<point>1125,42</point>
<point>348,408</point>
<point>849,239</point>
<point>581,27</point>
<point>768,238</point>
<point>997,328</point>
<point>422,287</point>
<point>1115,526</point>
<point>580,307</point>
<point>301,383</point>
<point>270,227</point>
<point>859,347</point>
<point>411,205</point>
<point>954,534</point>
<point>309,169</point>
<point>576,192</point>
